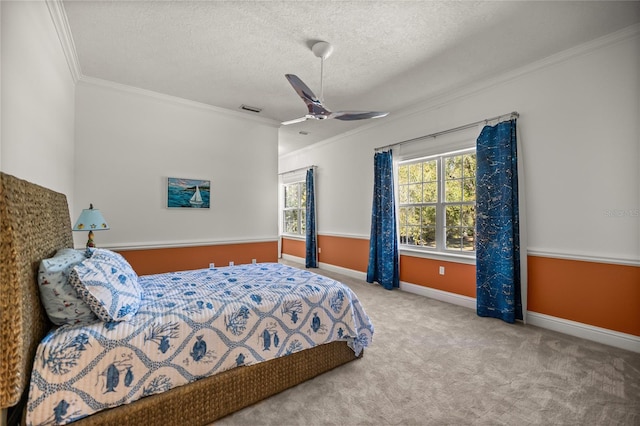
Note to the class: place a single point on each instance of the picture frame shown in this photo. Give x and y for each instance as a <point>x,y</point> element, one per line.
<point>188,193</point>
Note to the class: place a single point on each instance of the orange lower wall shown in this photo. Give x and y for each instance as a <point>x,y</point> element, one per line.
<point>350,253</point>
<point>160,260</point>
<point>293,247</point>
<point>458,278</point>
<point>598,294</point>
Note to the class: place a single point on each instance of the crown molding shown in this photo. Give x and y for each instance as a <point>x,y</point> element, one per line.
<point>447,96</point>
<point>92,81</point>
<point>61,24</point>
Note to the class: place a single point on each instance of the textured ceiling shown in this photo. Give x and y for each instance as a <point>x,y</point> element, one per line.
<point>388,55</point>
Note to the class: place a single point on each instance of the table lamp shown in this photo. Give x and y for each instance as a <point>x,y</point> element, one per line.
<point>92,220</point>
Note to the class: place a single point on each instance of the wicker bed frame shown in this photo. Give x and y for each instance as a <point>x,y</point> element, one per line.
<point>34,223</point>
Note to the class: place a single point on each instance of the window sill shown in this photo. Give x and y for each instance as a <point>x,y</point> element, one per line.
<point>294,237</point>
<point>447,257</point>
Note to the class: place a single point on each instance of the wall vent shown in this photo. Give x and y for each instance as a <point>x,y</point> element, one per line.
<point>250,108</point>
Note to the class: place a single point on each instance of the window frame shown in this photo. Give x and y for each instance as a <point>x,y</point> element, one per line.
<point>440,250</point>
<point>301,219</point>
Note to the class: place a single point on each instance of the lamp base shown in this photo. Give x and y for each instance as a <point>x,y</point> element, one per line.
<point>90,243</point>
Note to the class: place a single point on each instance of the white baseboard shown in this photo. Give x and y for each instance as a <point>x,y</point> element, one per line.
<point>572,328</point>
<point>443,296</point>
<point>344,271</point>
<point>585,331</point>
<point>329,267</point>
<point>291,258</point>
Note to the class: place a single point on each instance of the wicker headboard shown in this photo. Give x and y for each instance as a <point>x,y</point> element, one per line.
<point>34,223</point>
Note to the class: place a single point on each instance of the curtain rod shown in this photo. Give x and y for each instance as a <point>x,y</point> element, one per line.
<point>511,115</point>
<point>298,169</point>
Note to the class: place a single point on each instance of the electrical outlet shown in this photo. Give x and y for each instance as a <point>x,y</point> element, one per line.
<point>231,263</point>
<point>319,250</point>
<point>442,270</point>
<point>253,261</point>
<point>212,265</point>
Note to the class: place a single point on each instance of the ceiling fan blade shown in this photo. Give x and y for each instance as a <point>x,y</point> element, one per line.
<point>302,89</point>
<point>297,120</point>
<point>314,105</point>
<point>357,115</point>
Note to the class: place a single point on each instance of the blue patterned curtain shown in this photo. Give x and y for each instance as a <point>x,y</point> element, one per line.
<point>311,252</point>
<point>384,263</point>
<point>498,277</point>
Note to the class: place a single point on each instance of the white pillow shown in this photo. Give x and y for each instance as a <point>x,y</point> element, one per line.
<point>108,284</point>
<point>59,297</point>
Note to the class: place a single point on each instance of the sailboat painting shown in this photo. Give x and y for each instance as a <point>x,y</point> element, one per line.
<point>188,193</point>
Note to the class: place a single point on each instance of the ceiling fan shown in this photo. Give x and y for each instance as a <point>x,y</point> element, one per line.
<point>317,111</point>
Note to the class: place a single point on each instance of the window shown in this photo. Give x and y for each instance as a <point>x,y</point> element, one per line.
<point>437,202</point>
<point>295,197</point>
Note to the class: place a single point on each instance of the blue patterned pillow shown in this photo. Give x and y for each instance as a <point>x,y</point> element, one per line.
<point>112,256</point>
<point>59,297</point>
<point>108,284</point>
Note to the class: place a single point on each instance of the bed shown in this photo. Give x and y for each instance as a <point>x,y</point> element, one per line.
<point>35,224</point>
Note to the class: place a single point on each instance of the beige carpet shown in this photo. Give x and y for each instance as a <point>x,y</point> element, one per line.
<point>432,363</point>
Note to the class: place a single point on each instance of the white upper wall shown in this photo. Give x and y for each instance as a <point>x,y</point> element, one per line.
<point>130,141</point>
<point>115,147</point>
<point>37,136</point>
<point>580,131</point>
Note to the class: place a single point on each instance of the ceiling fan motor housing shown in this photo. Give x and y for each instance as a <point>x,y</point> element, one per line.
<point>322,49</point>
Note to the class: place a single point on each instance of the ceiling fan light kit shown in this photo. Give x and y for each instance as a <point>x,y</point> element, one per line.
<point>317,111</point>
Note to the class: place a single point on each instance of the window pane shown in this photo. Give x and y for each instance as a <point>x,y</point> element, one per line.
<point>413,234</point>
<point>403,174</point>
<point>415,172</point>
<point>469,166</point>
<point>291,221</point>
<point>291,195</point>
<point>415,193</point>
<point>428,216</point>
<point>468,239</point>
<point>430,171</point>
<point>453,214</point>
<point>430,192</point>
<point>413,216</point>
<point>453,167</point>
<point>402,216</point>
<point>469,189</point>
<point>403,194</point>
<point>453,190</point>
<point>453,239</point>
<point>428,237</point>
<point>303,194</point>
<point>303,221</point>
<point>403,235</point>
<point>469,216</point>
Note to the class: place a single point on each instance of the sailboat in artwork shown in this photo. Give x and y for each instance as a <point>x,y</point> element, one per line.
<point>196,198</point>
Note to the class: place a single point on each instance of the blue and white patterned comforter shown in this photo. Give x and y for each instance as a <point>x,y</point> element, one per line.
<point>190,325</point>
